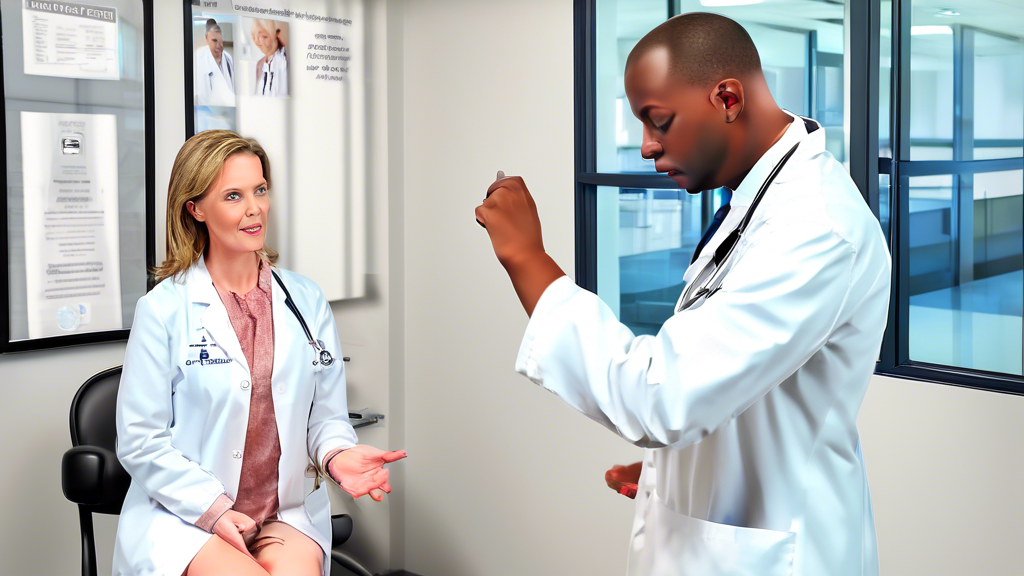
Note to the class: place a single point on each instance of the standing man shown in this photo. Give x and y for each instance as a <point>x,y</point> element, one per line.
<point>747,398</point>
<point>214,70</point>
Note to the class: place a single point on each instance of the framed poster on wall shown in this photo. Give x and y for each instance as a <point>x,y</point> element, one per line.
<point>78,236</point>
<point>291,74</point>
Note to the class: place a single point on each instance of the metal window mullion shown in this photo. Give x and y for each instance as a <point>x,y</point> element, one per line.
<point>863,58</point>
<point>188,64</point>
<point>149,78</point>
<point>811,92</point>
<point>934,167</point>
<point>584,40</point>
<point>5,294</point>
<point>653,181</point>
<point>966,378</point>
<point>900,194</point>
<point>962,214</point>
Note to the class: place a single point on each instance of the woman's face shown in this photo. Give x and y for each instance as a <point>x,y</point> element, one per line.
<point>236,205</point>
<point>265,40</point>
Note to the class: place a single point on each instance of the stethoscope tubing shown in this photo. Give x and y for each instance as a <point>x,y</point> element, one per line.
<point>721,257</point>
<point>325,357</point>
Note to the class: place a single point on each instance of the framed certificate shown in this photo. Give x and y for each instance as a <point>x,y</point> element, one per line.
<point>78,239</point>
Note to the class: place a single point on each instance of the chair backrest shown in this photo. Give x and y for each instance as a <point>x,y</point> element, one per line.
<point>93,410</point>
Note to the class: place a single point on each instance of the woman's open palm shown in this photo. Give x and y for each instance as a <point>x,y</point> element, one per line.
<point>360,470</point>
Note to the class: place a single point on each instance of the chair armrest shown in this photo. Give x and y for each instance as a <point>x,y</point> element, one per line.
<point>93,476</point>
<point>341,529</point>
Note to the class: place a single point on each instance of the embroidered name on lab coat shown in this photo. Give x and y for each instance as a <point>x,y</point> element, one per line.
<point>204,354</point>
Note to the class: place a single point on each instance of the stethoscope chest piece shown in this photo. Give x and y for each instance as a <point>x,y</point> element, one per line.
<point>326,358</point>
<point>323,356</point>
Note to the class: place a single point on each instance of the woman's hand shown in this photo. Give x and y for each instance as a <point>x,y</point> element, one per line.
<point>231,527</point>
<point>360,470</point>
<point>624,479</point>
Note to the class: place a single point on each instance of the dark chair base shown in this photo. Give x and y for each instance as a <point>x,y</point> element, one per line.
<point>341,531</point>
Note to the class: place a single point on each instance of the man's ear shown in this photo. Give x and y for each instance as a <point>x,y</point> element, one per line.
<point>727,97</point>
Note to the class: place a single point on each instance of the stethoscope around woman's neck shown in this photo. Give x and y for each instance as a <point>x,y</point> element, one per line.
<point>709,279</point>
<point>324,357</point>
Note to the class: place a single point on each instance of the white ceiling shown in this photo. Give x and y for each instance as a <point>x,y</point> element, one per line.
<point>1000,16</point>
<point>635,18</point>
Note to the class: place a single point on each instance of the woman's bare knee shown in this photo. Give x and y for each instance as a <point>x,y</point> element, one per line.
<point>284,551</point>
<point>217,557</point>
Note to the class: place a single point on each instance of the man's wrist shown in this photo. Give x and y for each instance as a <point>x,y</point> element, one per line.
<point>522,258</point>
<point>531,274</point>
<point>530,262</point>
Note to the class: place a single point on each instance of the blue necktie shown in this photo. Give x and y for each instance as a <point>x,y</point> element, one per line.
<point>715,223</point>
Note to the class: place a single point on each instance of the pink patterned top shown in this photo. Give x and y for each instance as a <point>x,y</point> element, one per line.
<point>251,317</point>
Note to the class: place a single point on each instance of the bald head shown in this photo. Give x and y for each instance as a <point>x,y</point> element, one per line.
<point>703,49</point>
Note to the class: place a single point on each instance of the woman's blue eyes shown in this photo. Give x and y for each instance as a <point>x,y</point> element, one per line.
<point>235,196</point>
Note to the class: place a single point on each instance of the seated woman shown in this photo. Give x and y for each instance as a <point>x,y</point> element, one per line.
<point>227,413</point>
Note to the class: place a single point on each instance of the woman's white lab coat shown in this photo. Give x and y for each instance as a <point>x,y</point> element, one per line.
<point>747,403</point>
<point>214,85</point>
<point>272,77</point>
<point>183,408</point>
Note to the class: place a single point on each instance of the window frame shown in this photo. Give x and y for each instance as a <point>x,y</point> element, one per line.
<point>895,360</point>
<point>862,60</point>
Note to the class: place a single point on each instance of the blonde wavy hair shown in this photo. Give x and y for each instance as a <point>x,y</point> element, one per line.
<point>199,162</point>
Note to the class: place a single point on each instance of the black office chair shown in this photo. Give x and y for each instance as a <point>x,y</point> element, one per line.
<point>93,478</point>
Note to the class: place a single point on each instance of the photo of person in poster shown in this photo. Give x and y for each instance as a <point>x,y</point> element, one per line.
<point>271,38</point>
<point>214,66</point>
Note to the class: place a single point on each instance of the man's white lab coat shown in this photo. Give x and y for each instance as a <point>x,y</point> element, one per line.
<point>747,403</point>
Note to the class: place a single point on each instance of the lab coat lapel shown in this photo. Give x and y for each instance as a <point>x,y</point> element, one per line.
<point>214,319</point>
<point>744,194</point>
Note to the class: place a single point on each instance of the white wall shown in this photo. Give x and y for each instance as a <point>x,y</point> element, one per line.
<point>946,470</point>
<point>364,324</point>
<point>502,478</point>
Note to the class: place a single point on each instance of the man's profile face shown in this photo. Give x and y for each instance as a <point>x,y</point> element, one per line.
<point>682,130</point>
<point>215,40</point>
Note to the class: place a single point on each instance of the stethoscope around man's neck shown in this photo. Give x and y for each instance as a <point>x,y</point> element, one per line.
<point>709,279</point>
<point>324,357</point>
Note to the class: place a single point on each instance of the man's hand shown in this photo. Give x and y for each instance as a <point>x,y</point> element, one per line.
<point>360,470</point>
<point>624,479</point>
<point>510,216</point>
<point>232,527</point>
